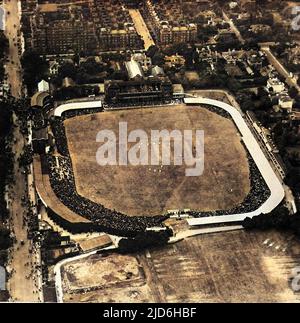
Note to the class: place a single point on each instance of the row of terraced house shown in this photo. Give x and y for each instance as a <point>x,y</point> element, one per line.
<point>63,26</point>
<point>58,27</point>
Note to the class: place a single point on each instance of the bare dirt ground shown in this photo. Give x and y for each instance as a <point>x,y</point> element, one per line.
<point>122,273</point>
<point>229,267</point>
<point>93,272</point>
<point>149,190</point>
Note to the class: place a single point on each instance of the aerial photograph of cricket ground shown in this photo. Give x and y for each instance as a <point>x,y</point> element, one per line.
<point>149,152</point>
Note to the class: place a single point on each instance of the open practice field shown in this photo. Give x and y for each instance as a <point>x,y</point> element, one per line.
<point>149,190</point>
<point>99,274</point>
<point>93,273</point>
<point>235,266</point>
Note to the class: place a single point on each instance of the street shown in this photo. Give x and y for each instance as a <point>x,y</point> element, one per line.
<point>13,66</point>
<point>141,28</point>
<point>265,47</point>
<point>24,258</point>
<point>291,81</point>
<point>233,28</point>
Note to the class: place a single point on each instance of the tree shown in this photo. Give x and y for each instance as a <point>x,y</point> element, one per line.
<point>5,153</point>
<point>152,50</point>
<point>67,69</point>
<point>144,240</point>
<point>247,105</point>
<point>5,241</point>
<point>158,59</point>
<point>91,67</point>
<point>279,219</point>
<point>293,92</point>
<point>3,45</point>
<point>35,69</point>
<point>233,85</point>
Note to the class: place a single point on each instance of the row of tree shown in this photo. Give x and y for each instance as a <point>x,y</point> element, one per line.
<point>143,241</point>
<point>5,177</point>
<point>279,219</point>
<point>35,68</point>
<point>3,51</point>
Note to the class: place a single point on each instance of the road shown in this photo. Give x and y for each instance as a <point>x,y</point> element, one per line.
<point>141,27</point>
<point>233,28</point>
<point>24,257</point>
<point>23,282</point>
<point>291,81</point>
<point>12,27</point>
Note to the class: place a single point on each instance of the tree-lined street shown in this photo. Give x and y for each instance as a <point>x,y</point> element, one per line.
<point>24,258</point>
<point>141,28</point>
<point>13,33</point>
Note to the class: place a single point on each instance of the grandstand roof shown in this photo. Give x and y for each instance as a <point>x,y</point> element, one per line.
<point>38,99</point>
<point>96,243</point>
<point>134,69</point>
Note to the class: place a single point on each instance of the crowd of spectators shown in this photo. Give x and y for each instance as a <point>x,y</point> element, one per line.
<point>76,113</point>
<point>218,111</point>
<point>63,183</point>
<point>59,135</point>
<point>30,221</point>
<point>259,190</point>
<point>259,193</point>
